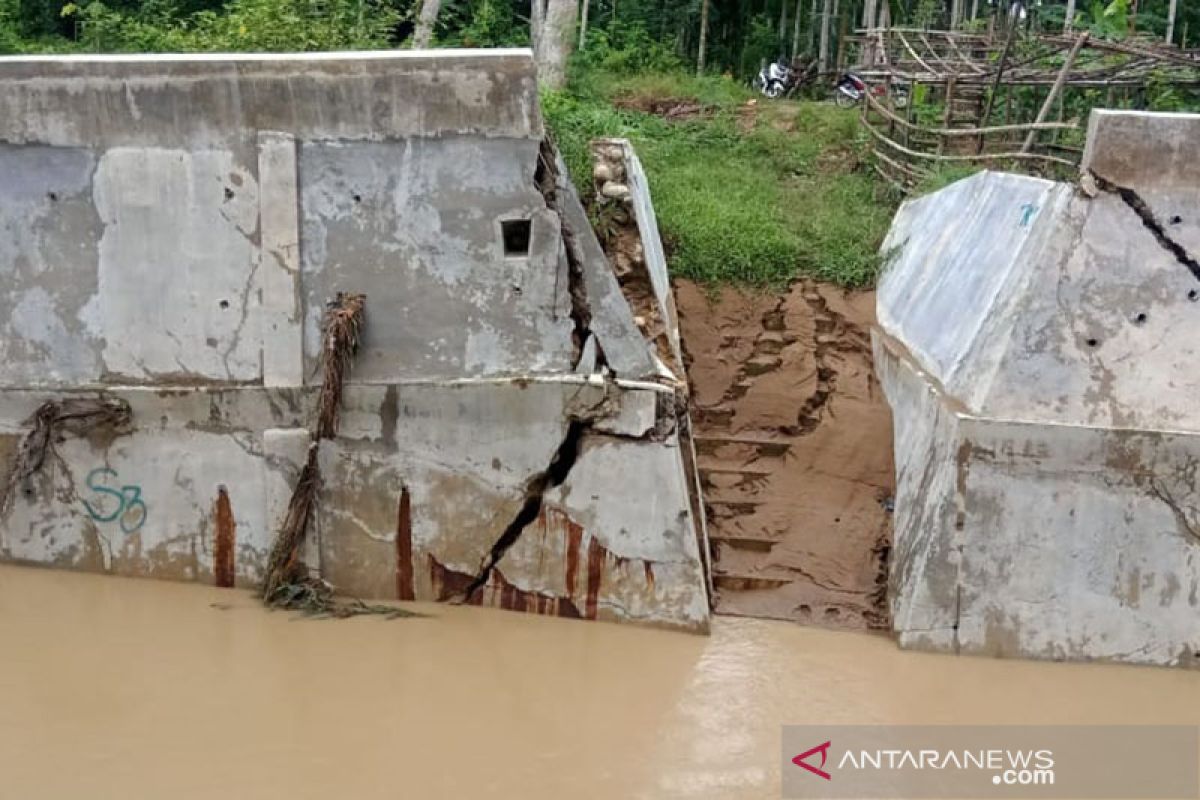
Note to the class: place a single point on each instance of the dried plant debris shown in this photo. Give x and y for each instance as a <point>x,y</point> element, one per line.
<point>315,598</point>
<point>285,567</point>
<point>341,332</point>
<point>288,582</point>
<point>51,423</point>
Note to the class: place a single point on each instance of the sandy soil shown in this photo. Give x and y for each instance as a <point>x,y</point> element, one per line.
<point>795,449</point>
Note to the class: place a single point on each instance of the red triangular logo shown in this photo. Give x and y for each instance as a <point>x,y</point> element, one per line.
<point>823,749</point>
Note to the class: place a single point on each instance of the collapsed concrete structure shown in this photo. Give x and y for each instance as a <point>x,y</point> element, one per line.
<point>172,230</point>
<point>1037,345</point>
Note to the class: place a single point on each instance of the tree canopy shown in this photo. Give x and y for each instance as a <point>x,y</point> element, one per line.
<point>741,34</point>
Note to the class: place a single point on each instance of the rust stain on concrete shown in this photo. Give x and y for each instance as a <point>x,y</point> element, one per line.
<point>404,565</point>
<point>574,534</point>
<point>226,539</point>
<point>561,553</point>
<point>597,556</point>
<point>498,592</point>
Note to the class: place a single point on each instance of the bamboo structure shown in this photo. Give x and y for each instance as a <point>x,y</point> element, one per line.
<point>1002,98</point>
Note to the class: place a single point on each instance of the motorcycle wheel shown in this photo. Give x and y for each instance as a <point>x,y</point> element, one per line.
<point>843,100</point>
<point>773,89</point>
<point>900,100</point>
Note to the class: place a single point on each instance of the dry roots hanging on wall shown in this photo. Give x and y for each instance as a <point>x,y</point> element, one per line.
<point>79,416</point>
<point>288,583</point>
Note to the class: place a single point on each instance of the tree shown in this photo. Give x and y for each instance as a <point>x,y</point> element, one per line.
<point>782,35</point>
<point>795,28</point>
<point>823,49</point>
<point>812,28</point>
<point>537,20</point>
<point>868,22</point>
<point>703,37</point>
<point>868,15</point>
<point>554,42</point>
<point>425,22</point>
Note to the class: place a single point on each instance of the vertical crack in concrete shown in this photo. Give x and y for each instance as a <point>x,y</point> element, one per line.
<point>536,487</point>
<point>236,337</point>
<point>1140,207</point>
<point>545,178</point>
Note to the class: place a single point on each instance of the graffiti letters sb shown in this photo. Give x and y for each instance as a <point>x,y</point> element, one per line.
<point>122,505</point>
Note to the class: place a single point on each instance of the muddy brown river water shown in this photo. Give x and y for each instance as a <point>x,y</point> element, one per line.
<point>115,688</point>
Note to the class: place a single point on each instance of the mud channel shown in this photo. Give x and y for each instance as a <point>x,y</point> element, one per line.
<point>794,443</point>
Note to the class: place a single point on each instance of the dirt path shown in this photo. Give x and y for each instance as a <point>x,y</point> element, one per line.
<point>795,451</point>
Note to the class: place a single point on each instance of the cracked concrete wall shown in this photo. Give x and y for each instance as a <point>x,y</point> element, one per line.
<point>174,227</point>
<point>1035,346</point>
<point>420,220</point>
<point>460,452</point>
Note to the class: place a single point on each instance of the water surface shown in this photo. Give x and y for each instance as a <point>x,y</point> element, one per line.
<point>121,688</point>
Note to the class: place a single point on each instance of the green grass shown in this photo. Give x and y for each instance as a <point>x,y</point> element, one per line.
<point>745,196</point>
<point>943,176</point>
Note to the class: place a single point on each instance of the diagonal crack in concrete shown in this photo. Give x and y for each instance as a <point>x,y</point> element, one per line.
<point>1140,207</point>
<point>536,487</point>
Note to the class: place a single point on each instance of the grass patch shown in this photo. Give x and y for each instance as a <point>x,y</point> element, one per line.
<point>706,89</point>
<point>943,176</point>
<point>747,194</point>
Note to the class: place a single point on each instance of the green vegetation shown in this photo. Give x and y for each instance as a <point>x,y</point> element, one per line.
<point>751,193</point>
<point>944,176</point>
<point>740,35</point>
<point>36,26</point>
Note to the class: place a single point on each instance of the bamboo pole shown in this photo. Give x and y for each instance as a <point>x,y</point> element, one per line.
<point>948,117</point>
<point>991,98</point>
<point>1044,126</point>
<point>1055,89</point>
<point>969,159</point>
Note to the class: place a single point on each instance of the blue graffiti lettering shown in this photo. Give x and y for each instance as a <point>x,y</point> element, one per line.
<point>130,509</point>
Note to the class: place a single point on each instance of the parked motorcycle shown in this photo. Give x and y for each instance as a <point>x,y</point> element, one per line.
<point>783,79</point>
<point>851,89</point>
<point>774,79</point>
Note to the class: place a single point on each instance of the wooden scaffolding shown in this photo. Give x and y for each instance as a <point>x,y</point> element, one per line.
<point>1002,99</point>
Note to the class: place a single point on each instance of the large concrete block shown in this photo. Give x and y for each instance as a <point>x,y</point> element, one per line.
<point>420,220</point>
<point>173,230</point>
<point>1036,345</point>
<point>49,242</point>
